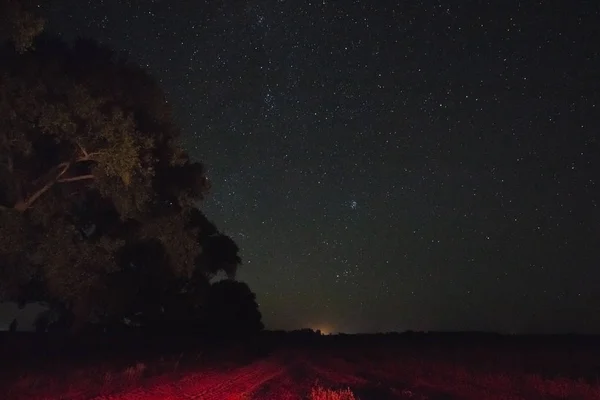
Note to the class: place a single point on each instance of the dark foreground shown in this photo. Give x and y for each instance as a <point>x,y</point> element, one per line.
<point>276,366</point>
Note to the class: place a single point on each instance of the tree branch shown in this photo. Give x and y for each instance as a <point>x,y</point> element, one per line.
<point>53,176</point>
<point>87,157</point>
<point>24,204</point>
<point>59,169</point>
<point>76,178</point>
<point>85,153</point>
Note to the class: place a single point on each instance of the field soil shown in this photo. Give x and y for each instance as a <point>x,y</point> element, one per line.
<point>377,367</point>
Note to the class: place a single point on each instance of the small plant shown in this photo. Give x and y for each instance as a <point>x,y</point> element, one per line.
<point>320,393</point>
<point>135,372</point>
<point>109,379</point>
<point>176,366</point>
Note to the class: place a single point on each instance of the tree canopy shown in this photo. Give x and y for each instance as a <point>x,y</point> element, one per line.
<point>232,308</point>
<point>19,22</point>
<point>98,201</point>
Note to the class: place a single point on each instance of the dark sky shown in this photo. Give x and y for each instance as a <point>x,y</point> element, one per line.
<point>422,166</point>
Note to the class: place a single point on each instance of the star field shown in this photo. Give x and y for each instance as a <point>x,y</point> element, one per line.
<point>426,166</point>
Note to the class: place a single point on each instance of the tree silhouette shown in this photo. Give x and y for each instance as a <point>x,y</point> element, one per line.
<point>232,309</point>
<point>98,213</point>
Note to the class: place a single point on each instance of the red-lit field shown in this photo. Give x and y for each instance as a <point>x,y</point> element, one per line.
<point>421,371</point>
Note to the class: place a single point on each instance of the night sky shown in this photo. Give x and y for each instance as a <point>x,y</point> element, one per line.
<point>422,166</point>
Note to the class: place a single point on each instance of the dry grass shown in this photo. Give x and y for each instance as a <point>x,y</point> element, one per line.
<point>410,372</point>
<point>320,393</point>
<point>468,379</point>
<point>135,372</point>
<point>94,380</point>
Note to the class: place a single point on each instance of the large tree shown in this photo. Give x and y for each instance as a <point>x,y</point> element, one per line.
<point>97,199</point>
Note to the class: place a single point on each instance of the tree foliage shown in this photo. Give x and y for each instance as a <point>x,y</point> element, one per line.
<point>232,309</point>
<point>19,23</point>
<point>98,201</point>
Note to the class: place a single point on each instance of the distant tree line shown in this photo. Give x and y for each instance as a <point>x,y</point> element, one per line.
<point>99,214</point>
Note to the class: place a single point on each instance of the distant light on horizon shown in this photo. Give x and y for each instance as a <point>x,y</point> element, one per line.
<point>325,329</point>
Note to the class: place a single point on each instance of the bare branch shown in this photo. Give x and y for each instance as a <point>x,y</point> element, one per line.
<point>24,204</point>
<point>53,176</point>
<point>87,156</point>
<point>83,151</point>
<point>51,172</point>
<point>76,178</point>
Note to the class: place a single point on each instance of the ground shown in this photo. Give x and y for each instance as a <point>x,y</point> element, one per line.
<point>328,368</point>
